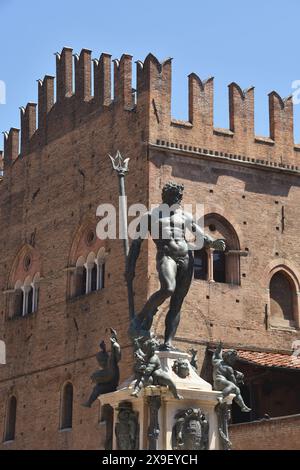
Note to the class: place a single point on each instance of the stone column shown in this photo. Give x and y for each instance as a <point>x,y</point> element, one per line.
<point>210,265</point>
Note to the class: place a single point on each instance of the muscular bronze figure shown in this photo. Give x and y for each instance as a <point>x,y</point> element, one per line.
<point>174,260</point>
<point>226,379</point>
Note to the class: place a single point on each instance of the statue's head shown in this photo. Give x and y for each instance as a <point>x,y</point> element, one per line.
<point>230,356</point>
<point>181,368</point>
<point>150,346</point>
<point>172,193</point>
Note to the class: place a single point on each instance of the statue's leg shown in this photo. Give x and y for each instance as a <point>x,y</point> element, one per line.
<point>183,282</point>
<point>139,383</point>
<point>232,388</point>
<point>229,388</point>
<point>239,401</point>
<point>167,270</point>
<point>162,378</point>
<point>93,397</point>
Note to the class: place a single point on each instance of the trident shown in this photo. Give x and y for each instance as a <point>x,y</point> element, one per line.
<point>121,167</point>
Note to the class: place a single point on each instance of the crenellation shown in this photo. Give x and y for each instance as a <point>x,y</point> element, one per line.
<point>201,97</point>
<point>28,125</point>
<point>11,146</point>
<point>45,100</point>
<point>83,75</point>
<point>241,111</point>
<point>281,119</point>
<point>123,82</point>
<point>64,74</point>
<point>102,80</point>
<point>153,89</point>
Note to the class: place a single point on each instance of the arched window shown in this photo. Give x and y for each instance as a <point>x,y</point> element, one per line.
<point>91,269</point>
<point>101,257</point>
<point>67,407</point>
<point>215,265</point>
<point>11,416</point>
<point>30,300</point>
<point>18,303</point>
<point>80,280</point>
<point>282,299</point>
<point>101,275</point>
<point>25,297</point>
<point>219,260</point>
<point>87,256</point>
<point>23,283</point>
<point>80,277</point>
<point>89,274</point>
<point>200,264</point>
<point>94,274</point>
<point>35,292</point>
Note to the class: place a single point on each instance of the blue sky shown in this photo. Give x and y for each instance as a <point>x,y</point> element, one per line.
<point>250,42</point>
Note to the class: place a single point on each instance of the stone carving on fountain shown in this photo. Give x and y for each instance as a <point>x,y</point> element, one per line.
<point>127,427</point>
<point>190,431</point>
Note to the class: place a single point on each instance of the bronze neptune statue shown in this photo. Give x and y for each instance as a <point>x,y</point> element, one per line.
<point>174,260</point>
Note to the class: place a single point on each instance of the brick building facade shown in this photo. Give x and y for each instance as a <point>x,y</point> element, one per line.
<point>62,287</point>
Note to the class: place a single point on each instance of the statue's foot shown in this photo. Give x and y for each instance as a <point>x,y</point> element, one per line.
<point>86,404</point>
<point>167,347</point>
<point>136,329</point>
<point>245,409</point>
<point>135,393</point>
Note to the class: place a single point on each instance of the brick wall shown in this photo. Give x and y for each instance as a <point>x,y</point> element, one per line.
<point>277,433</point>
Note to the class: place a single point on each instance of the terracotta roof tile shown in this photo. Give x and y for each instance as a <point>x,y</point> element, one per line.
<point>267,359</point>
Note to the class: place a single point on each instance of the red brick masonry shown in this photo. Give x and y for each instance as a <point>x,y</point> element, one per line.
<point>275,433</point>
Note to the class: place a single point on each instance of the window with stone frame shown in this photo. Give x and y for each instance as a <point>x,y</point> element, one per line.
<point>200,264</point>
<point>25,297</point>
<point>10,420</point>
<point>283,300</point>
<point>66,417</point>
<point>89,273</point>
<point>219,266</point>
<point>86,268</point>
<point>22,293</point>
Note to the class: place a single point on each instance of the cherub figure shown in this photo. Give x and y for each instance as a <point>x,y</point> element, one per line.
<point>140,364</point>
<point>107,379</point>
<point>226,379</point>
<point>148,368</point>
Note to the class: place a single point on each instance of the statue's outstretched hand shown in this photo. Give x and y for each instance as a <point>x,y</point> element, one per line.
<point>218,245</point>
